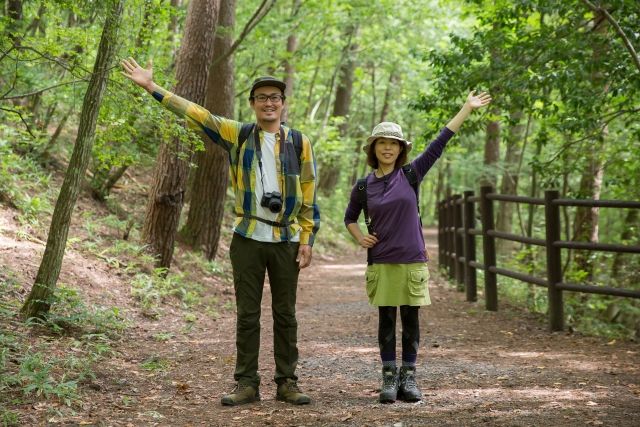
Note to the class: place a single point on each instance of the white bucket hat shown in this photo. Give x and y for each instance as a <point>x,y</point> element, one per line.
<point>387,130</point>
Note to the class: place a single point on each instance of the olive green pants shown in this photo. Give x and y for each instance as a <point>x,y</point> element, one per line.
<point>250,260</point>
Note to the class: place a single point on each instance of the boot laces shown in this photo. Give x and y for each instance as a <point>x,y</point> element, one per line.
<point>240,388</point>
<point>293,386</point>
<point>388,380</point>
<point>409,380</point>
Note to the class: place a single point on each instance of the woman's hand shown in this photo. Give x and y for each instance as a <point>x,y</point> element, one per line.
<point>143,77</point>
<point>477,101</point>
<point>368,241</point>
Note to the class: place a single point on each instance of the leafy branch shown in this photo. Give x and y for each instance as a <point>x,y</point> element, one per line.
<point>10,110</point>
<point>260,13</point>
<point>619,30</point>
<point>24,95</point>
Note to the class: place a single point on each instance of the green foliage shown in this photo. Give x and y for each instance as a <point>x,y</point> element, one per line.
<point>8,418</point>
<point>153,290</point>
<point>22,182</point>
<point>155,364</point>
<point>69,313</point>
<point>35,373</point>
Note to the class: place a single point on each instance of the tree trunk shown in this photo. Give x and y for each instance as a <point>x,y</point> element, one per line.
<point>54,138</point>
<point>211,177</point>
<point>170,177</point>
<point>39,300</point>
<point>586,219</point>
<point>391,87</point>
<point>174,27</point>
<point>629,228</point>
<point>330,166</point>
<point>491,153</point>
<point>509,184</point>
<point>309,108</point>
<point>14,12</point>
<point>289,67</point>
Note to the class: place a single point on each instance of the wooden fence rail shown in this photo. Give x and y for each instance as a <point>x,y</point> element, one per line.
<point>457,234</point>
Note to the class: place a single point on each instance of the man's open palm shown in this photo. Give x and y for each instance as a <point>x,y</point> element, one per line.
<point>143,77</point>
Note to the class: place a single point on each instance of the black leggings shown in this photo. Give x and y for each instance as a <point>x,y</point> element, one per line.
<point>410,333</point>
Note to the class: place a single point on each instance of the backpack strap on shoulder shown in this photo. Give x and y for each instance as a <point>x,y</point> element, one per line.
<point>245,131</point>
<point>412,177</point>
<point>297,144</point>
<point>361,188</point>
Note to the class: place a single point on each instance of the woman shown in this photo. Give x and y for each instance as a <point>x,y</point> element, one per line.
<point>397,273</point>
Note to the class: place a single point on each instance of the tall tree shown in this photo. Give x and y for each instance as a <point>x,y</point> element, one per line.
<point>210,181</point>
<point>39,300</point>
<point>329,169</point>
<point>586,219</point>
<point>289,64</point>
<point>166,197</point>
<point>510,175</point>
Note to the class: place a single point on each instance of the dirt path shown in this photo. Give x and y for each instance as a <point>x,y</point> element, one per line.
<point>475,367</point>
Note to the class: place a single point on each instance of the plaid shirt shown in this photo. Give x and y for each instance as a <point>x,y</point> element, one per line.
<point>297,182</point>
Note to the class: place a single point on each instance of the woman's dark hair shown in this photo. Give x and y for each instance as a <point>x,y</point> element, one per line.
<point>372,160</point>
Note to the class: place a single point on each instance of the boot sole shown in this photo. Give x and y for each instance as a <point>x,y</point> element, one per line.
<point>244,402</point>
<point>293,402</point>
<point>404,398</point>
<point>387,399</point>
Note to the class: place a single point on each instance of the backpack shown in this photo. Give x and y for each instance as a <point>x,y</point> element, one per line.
<point>411,176</point>
<point>296,135</point>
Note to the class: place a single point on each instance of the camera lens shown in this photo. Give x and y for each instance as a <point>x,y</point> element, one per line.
<point>275,205</point>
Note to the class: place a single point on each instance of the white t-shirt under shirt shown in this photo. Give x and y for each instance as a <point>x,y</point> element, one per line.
<point>264,232</point>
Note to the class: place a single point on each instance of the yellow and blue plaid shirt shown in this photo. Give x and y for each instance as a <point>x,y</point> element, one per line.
<point>297,184</point>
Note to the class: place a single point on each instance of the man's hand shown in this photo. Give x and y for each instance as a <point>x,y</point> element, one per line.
<point>143,77</point>
<point>304,256</point>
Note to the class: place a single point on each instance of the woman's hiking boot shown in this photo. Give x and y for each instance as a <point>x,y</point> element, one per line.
<point>241,394</point>
<point>289,392</point>
<point>408,389</point>
<point>389,390</point>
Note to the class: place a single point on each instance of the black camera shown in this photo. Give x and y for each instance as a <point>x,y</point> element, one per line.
<point>273,201</point>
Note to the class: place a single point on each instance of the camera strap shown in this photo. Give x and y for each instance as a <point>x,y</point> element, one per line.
<point>285,224</point>
<point>256,137</point>
<point>266,221</point>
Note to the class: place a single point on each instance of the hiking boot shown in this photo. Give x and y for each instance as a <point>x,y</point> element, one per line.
<point>289,392</point>
<point>389,390</point>
<point>408,389</point>
<point>241,394</point>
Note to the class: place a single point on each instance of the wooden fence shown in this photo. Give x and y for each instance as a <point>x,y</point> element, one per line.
<point>457,234</point>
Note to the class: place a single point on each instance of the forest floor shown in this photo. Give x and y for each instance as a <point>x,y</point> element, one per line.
<point>475,367</point>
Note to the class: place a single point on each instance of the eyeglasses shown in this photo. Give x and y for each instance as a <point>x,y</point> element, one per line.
<point>273,98</point>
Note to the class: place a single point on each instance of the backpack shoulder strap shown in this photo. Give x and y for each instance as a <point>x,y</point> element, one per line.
<point>361,187</point>
<point>297,144</point>
<point>245,131</point>
<point>412,177</point>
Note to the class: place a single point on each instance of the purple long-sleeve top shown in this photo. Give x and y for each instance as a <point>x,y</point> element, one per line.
<point>391,203</point>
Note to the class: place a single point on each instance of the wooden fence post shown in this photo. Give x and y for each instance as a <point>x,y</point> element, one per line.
<point>554,260</point>
<point>458,248</point>
<point>489,250</point>
<point>441,248</point>
<point>469,222</point>
<point>450,238</point>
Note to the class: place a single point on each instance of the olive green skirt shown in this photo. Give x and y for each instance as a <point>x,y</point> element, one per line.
<point>398,284</point>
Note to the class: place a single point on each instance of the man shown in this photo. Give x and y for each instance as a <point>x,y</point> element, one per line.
<point>273,175</point>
